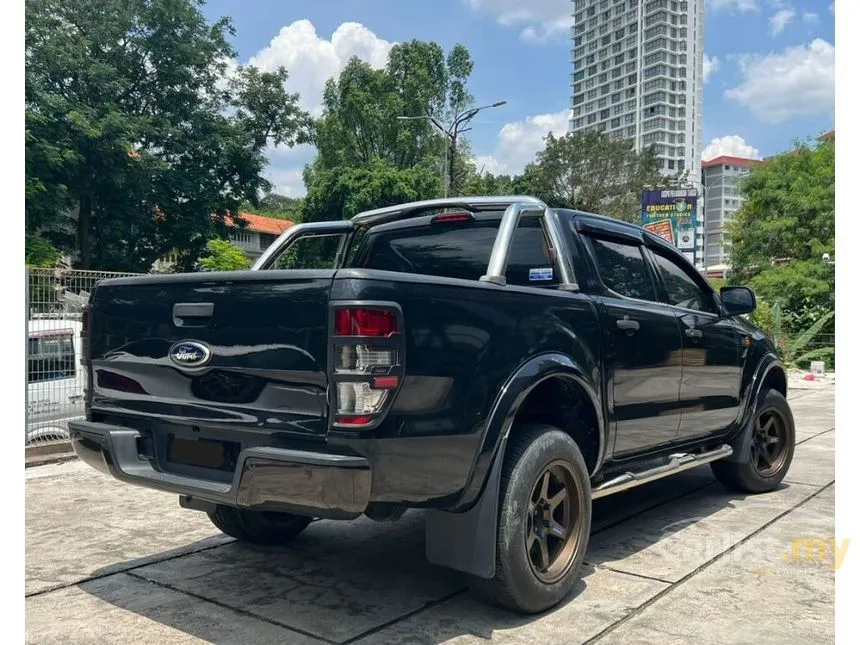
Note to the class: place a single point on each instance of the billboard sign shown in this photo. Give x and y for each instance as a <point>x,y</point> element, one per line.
<point>671,214</point>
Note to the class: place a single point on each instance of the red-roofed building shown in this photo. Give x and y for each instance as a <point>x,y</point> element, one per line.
<point>255,237</point>
<point>258,234</point>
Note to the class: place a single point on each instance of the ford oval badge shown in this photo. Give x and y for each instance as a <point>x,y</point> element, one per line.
<point>190,354</point>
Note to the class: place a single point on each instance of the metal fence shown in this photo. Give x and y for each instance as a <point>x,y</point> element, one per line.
<point>55,378</point>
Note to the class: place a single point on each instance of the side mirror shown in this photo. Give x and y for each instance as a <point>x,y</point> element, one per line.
<point>738,300</point>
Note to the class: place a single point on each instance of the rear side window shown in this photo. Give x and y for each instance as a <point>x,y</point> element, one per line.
<point>460,251</point>
<point>622,268</point>
<point>50,357</point>
<point>309,252</point>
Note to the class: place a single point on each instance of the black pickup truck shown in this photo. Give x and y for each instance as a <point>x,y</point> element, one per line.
<point>492,361</point>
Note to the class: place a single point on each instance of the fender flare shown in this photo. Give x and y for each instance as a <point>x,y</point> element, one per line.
<point>466,541</point>
<point>741,442</point>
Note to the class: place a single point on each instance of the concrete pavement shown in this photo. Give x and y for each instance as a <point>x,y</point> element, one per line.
<point>680,560</point>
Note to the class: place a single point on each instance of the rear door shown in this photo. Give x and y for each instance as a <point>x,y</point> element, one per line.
<point>642,346</point>
<point>711,381</point>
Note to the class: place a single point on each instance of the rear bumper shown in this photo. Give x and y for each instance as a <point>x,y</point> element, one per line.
<point>307,483</point>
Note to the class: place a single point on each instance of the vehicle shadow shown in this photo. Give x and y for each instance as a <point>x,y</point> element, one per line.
<point>365,581</point>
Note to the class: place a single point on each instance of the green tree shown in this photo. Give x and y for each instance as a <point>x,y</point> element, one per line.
<point>138,140</point>
<point>38,252</point>
<point>222,255</point>
<point>275,205</point>
<point>786,224</point>
<point>593,172</point>
<point>340,193</point>
<point>360,128</point>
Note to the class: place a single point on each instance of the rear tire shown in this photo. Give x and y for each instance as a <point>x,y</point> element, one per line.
<point>770,452</point>
<point>544,521</point>
<point>258,527</point>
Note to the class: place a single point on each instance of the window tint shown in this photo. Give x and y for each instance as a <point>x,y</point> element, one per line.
<point>681,288</point>
<point>460,251</point>
<point>50,357</point>
<point>622,268</point>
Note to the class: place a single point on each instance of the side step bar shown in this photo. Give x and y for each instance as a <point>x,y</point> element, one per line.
<point>677,463</point>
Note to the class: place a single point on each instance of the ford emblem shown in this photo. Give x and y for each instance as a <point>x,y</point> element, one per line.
<point>190,354</point>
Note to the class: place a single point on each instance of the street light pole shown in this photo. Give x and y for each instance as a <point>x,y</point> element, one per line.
<point>451,132</point>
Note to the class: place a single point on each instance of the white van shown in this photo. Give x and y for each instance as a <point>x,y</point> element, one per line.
<point>55,378</point>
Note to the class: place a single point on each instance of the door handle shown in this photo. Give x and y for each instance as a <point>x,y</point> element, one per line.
<point>627,325</point>
<point>192,314</point>
<point>693,333</point>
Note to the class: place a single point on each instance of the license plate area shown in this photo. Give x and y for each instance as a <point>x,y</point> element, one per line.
<point>211,454</point>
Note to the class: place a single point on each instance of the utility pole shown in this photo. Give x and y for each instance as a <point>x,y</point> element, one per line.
<point>451,132</point>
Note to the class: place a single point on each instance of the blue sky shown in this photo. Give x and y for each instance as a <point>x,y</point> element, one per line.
<point>770,80</point>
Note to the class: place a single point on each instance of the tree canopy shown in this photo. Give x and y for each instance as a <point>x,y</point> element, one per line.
<point>594,172</point>
<point>783,229</point>
<point>140,138</point>
<point>364,146</point>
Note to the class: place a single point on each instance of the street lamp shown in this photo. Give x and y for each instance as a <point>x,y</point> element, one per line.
<point>451,131</point>
<point>698,185</point>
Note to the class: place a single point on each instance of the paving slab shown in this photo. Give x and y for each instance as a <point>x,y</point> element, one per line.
<point>671,541</point>
<point>600,599</point>
<point>766,591</point>
<point>125,609</point>
<point>814,461</point>
<point>336,581</point>
<point>82,523</point>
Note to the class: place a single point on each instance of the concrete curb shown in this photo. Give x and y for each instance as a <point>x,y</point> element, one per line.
<point>44,460</point>
<point>49,453</point>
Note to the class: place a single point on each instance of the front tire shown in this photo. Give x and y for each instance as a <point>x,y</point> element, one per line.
<point>544,521</point>
<point>258,527</point>
<point>770,452</point>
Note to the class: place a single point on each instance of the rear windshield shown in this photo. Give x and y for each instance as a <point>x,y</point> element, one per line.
<point>459,251</point>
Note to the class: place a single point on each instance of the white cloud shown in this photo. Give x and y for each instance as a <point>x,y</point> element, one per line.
<point>711,66</point>
<point>542,20</point>
<point>742,6</point>
<point>520,141</point>
<point>311,60</point>
<point>810,18</point>
<point>780,20</point>
<point>778,86</point>
<point>286,166</point>
<point>731,145</point>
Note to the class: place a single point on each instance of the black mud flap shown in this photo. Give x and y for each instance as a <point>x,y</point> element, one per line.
<point>467,541</point>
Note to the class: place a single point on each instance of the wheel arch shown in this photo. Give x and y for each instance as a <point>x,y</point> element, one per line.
<point>769,374</point>
<point>465,540</point>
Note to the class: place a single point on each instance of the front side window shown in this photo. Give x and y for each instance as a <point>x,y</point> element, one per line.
<point>622,268</point>
<point>681,288</point>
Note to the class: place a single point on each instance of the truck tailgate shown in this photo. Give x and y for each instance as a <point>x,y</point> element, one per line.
<point>222,350</point>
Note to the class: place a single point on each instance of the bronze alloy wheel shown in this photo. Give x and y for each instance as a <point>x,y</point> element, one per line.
<point>553,522</point>
<point>769,444</point>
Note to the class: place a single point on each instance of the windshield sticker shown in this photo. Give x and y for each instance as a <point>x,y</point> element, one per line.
<point>540,274</point>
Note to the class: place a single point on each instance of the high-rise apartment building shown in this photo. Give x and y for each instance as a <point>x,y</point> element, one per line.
<point>723,198</point>
<point>638,74</point>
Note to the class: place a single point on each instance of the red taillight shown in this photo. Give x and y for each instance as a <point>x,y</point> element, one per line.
<point>353,321</point>
<point>355,421</point>
<point>451,218</point>
<point>365,367</point>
